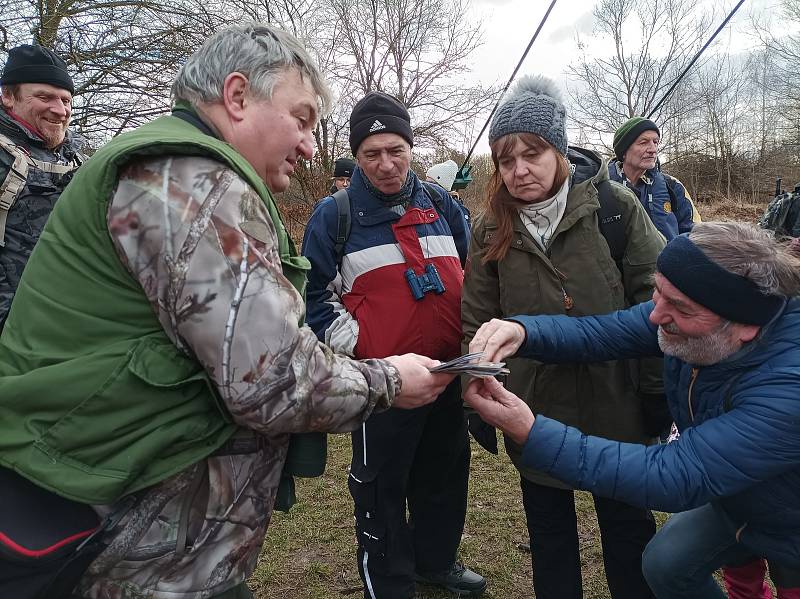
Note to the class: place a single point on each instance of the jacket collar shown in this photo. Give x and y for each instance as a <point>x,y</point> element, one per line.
<point>370,211</point>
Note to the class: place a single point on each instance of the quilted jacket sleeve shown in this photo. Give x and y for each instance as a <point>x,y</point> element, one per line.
<point>757,440</point>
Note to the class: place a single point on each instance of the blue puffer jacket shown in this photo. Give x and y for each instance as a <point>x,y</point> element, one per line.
<point>739,420</point>
<point>670,216</point>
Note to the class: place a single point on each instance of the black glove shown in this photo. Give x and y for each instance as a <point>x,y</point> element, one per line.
<point>657,418</point>
<point>483,432</point>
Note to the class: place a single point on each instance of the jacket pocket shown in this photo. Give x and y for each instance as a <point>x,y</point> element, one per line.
<point>148,409</point>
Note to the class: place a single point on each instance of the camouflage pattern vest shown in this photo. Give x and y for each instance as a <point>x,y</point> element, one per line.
<point>118,406</point>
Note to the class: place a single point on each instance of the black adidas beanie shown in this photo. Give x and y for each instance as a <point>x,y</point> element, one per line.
<point>35,64</point>
<point>378,113</point>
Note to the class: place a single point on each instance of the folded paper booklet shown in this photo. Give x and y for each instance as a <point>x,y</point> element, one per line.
<point>472,365</point>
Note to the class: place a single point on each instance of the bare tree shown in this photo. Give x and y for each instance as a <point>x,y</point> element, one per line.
<point>122,54</point>
<point>418,51</point>
<point>652,44</point>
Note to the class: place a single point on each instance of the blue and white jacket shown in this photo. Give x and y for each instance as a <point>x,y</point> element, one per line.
<point>739,421</point>
<point>363,307</point>
<point>652,192</point>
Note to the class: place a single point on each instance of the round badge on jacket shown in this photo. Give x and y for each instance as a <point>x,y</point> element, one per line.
<point>667,207</point>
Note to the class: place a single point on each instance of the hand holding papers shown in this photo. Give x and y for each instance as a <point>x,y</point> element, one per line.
<point>472,365</point>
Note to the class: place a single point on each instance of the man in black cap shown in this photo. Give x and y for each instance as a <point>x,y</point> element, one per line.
<point>38,154</point>
<point>396,286</point>
<point>342,171</point>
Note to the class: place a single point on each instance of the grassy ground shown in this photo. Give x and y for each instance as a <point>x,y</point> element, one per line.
<point>310,552</point>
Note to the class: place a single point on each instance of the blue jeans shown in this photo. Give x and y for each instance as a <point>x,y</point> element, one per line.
<point>680,560</point>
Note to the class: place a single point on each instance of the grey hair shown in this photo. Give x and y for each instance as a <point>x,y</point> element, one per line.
<point>752,252</point>
<point>260,52</point>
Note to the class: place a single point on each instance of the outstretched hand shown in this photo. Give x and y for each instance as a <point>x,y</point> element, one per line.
<point>498,339</point>
<point>419,385</point>
<point>499,407</point>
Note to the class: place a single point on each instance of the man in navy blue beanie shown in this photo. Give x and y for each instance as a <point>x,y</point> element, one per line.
<point>726,317</point>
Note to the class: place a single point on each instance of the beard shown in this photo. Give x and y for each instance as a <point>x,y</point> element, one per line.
<point>52,134</point>
<point>699,351</point>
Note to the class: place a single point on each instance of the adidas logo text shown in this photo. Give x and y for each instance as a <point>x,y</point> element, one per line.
<point>376,126</point>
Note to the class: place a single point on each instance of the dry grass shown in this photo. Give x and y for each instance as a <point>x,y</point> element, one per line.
<point>731,209</point>
<point>310,552</point>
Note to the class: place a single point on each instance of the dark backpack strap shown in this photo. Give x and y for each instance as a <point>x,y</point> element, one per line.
<point>610,222</point>
<point>673,195</point>
<point>438,202</point>
<point>343,222</point>
<point>434,196</point>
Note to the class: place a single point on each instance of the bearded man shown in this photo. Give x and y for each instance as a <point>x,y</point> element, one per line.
<point>726,317</point>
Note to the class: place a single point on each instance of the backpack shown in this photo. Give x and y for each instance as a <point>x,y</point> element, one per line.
<point>344,220</point>
<point>783,214</point>
<point>17,176</point>
<point>673,196</point>
<point>47,541</point>
<point>585,165</point>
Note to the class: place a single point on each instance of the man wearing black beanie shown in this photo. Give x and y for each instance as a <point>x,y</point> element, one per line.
<point>396,287</point>
<point>34,137</point>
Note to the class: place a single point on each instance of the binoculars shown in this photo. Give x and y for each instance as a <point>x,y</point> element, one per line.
<point>427,281</point>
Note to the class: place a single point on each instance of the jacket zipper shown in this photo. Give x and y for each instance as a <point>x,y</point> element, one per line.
<point>569,303</point>
<point>695,372</point>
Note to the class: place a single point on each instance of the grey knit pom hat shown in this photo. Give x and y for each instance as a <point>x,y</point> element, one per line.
<point>534,105</point>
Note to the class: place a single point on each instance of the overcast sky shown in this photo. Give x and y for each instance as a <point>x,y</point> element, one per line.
<point>509,24</point>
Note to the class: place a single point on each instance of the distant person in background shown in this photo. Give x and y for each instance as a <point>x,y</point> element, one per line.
<point>38,154</point>
<point>444,175</point>
<point>635,165</point>
<point>342,171</point>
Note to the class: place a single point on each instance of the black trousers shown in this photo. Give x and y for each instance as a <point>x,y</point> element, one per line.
<point>419,460</point>
<point>552,525</point>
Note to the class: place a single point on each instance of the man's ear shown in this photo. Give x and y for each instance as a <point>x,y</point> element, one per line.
<point>748,332</point>
<point>8,99</point>
<point>234,92</point>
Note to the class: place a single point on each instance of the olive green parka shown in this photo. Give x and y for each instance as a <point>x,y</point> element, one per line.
<point>576,270</point>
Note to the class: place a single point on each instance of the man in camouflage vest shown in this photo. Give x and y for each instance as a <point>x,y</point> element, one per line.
<point>38,154</point>
<point>156,349</point>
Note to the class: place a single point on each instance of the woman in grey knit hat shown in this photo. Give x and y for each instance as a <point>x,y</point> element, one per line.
<point>538,249</point>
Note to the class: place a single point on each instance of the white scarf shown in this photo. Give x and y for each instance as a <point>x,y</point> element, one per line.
<point>542,218</point>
